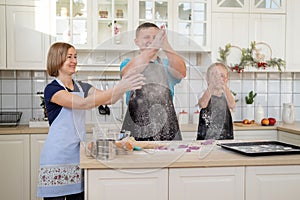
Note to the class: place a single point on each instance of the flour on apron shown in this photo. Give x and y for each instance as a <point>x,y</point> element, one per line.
<point>151,114</point>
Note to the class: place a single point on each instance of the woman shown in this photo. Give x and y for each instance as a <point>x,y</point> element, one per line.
<point>66,101</point>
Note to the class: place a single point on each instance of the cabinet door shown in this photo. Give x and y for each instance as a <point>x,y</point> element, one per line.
<point>230,5</point>
<point>15,167</point>
<point>114,184</point>
<point>27,39</point>
<point>206,183</point>
<point>158,12</point>
<point>37,142</point>
<point>71,22</point>
<point>189,136</point>
<point>289,137</point>
<point>2,38</point>
<point>191,24</point>
<point>228,28</point>
<point>292,36</point>
<point>112,21</point>
<point>268,6</point>
<point>256,135</point>
<point>23,2</point>
<point>269,28</point>
<point>273,182</point>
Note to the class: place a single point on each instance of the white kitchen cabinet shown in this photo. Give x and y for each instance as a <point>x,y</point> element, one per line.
<point>15,167</point>
<point>292,36</point>
<point>272,182</point>
<point>2,38</point>
<point>191,22</point>
<point>188,22</point>
<point>115,184</point>
<point>71,22</point>
<point>206,183</point>
<point>255,135</point>
<point>27,37</point>
<point>37,141</point>
<point>23,2</point>
<point>289,137</point>
<point>246,23</point>
<point>113,25</point>
<point>158,12</point>
<point>258,6</point>
<point>189,135</point>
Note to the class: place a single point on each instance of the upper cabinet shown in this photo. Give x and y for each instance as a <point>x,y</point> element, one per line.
<point>23,2</point>
<point>192,24</point>
<point>187,22</point>
<point>70,22</point>
<point>240,22</point>
<point>158,12</point>
<point>27,34</point>
<point>112,23</point>
<point>2,38</point>
<point>256,6</point>
<point>292,36</point>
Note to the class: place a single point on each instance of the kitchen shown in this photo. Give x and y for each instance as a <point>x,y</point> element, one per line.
<point>23,75</point>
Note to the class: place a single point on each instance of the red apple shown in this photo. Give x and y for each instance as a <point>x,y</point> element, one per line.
<point>272,121</point>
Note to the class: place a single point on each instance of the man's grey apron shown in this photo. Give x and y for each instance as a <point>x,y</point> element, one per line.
<point>59,173</point>
<point>151,114</point>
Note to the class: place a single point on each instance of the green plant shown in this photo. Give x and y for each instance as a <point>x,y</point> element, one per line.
<point>43,105</point>
<point>250,57</point>
<point>234,94</point>
<point>250,98</point>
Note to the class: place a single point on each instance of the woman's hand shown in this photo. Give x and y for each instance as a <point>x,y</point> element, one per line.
<point>131,81</point>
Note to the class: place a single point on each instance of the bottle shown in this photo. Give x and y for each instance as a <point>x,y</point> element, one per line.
<point>183,117</point>
<point>196,117</point>
<point>259,114</point>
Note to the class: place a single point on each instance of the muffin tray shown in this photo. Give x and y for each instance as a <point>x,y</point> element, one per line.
<point>262,148</point>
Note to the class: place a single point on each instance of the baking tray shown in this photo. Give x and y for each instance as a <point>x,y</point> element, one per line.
<point>10,118</point>
<point>262,148</point>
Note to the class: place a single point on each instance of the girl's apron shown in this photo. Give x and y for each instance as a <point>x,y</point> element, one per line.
<point>151,114</point>
<point>215,121</point>
<point>59,172</point>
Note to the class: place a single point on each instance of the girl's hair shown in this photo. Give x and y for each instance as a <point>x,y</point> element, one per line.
<point>145,25</point>
<point>57,55</point>
<point>212,66</point>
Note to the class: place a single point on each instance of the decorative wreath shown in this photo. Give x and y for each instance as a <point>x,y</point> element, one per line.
<point>252,57</point>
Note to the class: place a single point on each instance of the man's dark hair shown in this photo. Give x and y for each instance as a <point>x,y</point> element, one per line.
<point>145,25</point>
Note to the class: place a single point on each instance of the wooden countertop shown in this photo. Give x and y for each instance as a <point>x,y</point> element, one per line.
<point>207,156</point>
<point>25,129</point>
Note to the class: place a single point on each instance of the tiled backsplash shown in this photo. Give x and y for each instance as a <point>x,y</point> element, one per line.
<point>19,89</point>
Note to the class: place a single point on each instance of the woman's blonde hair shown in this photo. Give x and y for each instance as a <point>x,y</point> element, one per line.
<point>57,55</point>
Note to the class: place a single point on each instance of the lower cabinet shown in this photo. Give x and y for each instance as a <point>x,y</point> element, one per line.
<point>215,183</point>
<point>255,135</point>
<point>37,142</point>
<point>189,135</point>
<point>114,184</point>
<point>207,183</point>
<point>272,182</point>
<point>15,167</point>
<point>289,137</point>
